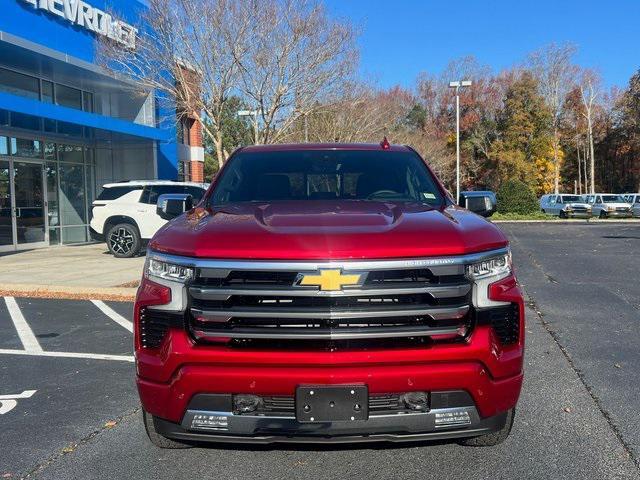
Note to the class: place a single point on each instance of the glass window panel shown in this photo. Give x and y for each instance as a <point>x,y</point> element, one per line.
<point>68,97</point>
<point>74,235</point>
<point>91,184</point>
<point>50,151</point>
<point>19,84</point>
<point>49,125</point>
<point>4,117</point>
<point>22,147</point>
<point>54,236</point>
<point>29,202</point>
<point>27,122</point>
<point>70,153</point>
<point>70,129</point>
<point>6,225</point>
<point>47,91</point>
<point>87,100</point>
<point>51,171</point>
<point>3,146</point>
<point>72,195</point>
<point>89,156</point>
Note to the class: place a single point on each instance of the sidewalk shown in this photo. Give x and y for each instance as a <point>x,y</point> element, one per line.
<point>84,271</point>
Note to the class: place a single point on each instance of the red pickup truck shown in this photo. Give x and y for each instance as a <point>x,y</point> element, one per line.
<point>328,293</point>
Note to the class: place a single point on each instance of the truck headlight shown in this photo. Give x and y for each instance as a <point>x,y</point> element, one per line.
<point>167,271</point>
<point>492,267</point>
<point>486,272</point>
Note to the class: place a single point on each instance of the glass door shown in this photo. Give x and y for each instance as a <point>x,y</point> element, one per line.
<point>6,208</point>
<point>23,208</point>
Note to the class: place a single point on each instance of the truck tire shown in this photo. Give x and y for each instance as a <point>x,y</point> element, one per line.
<point>157,439</point>
<point>123,240</point>
<point>563,215</point>
<point>603,214</point>
<point>492,439</point>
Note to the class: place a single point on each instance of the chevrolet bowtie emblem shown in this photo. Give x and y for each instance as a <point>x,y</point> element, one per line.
<point>329,280</point>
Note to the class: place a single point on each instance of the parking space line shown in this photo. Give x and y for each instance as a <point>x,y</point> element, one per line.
<point>27,337</point>
<point>113,315</point>
<point>90,356</point>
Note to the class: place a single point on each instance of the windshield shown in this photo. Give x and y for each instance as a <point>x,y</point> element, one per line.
<point>571,198</point>
<point>612,198</point>
<point>326,175</point>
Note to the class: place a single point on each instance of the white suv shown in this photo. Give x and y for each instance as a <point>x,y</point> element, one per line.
<point>125,217</point>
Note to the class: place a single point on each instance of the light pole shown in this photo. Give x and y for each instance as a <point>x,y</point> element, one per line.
<point>457,85</point>
<point>254,114</point>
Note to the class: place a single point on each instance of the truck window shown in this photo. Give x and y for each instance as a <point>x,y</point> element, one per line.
<point>366,175</point>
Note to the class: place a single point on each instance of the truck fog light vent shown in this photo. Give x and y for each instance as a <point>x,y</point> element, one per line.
<point>246,403</point>
<point>209,421</point>
<point>453,418</point>
<point>418,401</point>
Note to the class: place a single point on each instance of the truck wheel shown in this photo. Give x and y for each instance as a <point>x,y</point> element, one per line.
<point>123,240</point>
<point>494,438</point>
<point>603,215</point>
<point>157,439</point>
<point>563,215</point>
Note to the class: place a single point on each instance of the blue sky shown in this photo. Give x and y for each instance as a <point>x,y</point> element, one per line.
<point>404,37</point>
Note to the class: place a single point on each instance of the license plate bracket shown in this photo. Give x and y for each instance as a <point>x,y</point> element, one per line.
<point>332,403</point>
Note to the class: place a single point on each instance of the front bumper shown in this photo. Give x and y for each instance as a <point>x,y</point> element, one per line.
<point>580,214</point>
<point>387,428</point>
<point>617,214</point>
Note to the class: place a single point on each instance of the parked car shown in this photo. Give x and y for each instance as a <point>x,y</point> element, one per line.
<point>328,293</point>
<point>565,206</point>
<point>124,214</point>
<point>605,205</point>
<point>634,201</point>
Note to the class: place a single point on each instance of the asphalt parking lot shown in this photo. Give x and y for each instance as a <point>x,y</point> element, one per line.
<point>70,410</point>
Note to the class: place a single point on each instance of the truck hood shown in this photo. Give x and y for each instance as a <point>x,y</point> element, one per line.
<point>326,230</point>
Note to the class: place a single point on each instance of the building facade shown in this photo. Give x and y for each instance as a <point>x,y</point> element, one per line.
<point>67,126</point>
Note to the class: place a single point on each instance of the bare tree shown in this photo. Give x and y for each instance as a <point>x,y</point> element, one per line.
<point>188,52</point>
<point>553,68</point>
<point>293,56</point>
<point>590,90</point>
<point>361,114</point>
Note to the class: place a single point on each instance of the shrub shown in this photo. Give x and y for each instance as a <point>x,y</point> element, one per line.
<point>515,196</point>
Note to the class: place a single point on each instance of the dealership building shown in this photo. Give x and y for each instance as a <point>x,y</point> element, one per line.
<point>67,126</point>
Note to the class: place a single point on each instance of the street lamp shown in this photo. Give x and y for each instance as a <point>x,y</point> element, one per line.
<point>458,85</point>
<point>254,114</point>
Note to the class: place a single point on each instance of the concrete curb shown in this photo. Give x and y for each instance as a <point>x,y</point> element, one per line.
<point>114,294</point>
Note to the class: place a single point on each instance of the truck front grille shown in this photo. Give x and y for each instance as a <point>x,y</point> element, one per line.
<point>389,302</point>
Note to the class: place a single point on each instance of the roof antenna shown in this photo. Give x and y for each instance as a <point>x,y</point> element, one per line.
<point>385,143</point>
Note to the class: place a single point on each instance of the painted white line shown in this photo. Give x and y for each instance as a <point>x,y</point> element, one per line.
<point>90,356</point>
<point>113,315</point>
<point>25,394</point>
<point>28,339</point>
<point>9,402</point>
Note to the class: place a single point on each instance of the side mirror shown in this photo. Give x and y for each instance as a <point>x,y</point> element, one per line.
<point>172,205</point>
<point>482,203</point>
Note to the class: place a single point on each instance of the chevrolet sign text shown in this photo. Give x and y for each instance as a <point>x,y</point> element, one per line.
<point>84,15</point>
